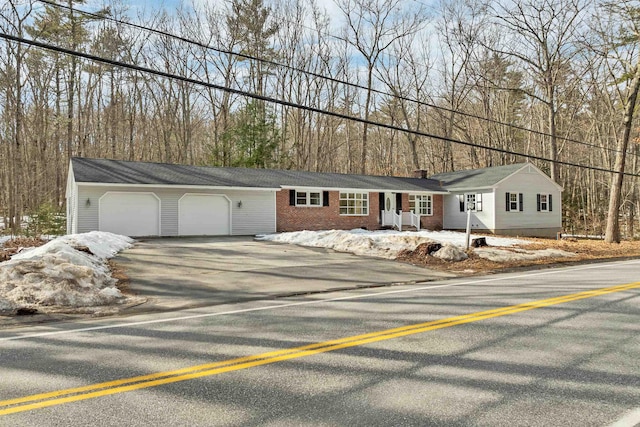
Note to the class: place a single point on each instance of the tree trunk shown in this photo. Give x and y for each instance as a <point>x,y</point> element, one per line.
<point>612,235</point>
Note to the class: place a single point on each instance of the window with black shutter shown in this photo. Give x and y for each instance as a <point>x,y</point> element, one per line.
<point>521,200</point>
<point>514,202</point>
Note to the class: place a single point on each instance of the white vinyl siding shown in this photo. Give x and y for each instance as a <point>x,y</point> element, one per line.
<point>354,204</point>
<point>255,215</point>
<point>421,204</point>
<point>530,182</point>
<point>455,212</point>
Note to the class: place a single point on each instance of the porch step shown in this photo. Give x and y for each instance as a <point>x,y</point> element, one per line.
<point>404,228</point>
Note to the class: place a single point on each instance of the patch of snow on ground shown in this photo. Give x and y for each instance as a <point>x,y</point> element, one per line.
<point>381,243</point>
<point>506,255</point>
<point>450,252</point>
<point>62,273</point>
<point>4,239</point>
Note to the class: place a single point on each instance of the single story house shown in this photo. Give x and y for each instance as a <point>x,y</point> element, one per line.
<point>157,199</point>
<point>517,200</point>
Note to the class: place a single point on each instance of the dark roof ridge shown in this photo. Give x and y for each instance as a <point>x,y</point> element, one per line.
<point>127,172</point>
<point>240,167</point>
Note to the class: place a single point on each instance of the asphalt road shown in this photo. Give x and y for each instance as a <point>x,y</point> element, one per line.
<point>364,357</point>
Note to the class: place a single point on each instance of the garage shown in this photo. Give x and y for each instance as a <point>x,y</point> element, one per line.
<point>204,215</point>
<point>130,214</point>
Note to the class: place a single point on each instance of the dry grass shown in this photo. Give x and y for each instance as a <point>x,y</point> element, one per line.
<point>12,246</point>
<point>585,250</point>
<point>119,274</point>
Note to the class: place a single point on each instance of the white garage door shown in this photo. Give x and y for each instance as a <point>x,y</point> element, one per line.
<point>131,214</point>
<point>204,215</point>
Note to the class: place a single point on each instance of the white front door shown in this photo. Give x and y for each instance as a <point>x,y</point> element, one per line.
<point>389,202</point>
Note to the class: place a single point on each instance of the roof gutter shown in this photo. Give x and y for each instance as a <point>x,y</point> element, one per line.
<point>202,187</point>
<point>374,190</point>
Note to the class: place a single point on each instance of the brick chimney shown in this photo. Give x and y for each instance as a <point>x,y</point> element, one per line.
<point>421,173</point>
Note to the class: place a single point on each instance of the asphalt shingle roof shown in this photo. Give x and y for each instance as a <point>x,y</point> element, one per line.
<point>124,172</point>
<point>476,178</point>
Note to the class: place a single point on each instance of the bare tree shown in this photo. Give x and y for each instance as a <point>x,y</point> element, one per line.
<point>372,26</point>
<point>623,63</point>
<point>542,35</point>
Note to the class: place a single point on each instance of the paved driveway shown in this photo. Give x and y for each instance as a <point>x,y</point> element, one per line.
<point>176,273</point>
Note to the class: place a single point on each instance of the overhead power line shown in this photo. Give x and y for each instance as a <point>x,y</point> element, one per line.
<point>288,103</point>
<point>328,78</point>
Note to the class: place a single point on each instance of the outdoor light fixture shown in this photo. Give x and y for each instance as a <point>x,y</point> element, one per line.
<point>240,204</point>
<point>88,202</point>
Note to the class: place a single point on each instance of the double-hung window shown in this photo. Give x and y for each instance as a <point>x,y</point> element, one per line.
<point>421,204</point>
<point>545,203</point>
<point>308,198</point>
<point>470,201</point>
<point>354,203</point>
<point>514,202</point>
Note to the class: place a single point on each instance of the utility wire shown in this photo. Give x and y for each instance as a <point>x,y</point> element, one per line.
<point>288,103</point>
<point>321,76</point>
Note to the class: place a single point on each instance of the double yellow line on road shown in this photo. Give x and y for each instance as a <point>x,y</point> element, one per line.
<point>43,400</point>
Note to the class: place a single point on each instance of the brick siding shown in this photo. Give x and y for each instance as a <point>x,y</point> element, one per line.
<point>297,218</point>
<point>433,222</point>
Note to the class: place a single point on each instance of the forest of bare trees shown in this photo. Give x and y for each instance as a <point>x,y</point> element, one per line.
<point>368,86</point>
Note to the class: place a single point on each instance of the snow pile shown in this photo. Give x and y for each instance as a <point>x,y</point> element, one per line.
<point>70,271</point>
<point>450,252</point>
<point>360,242</point>
<point>389,243</point>
<point>515,254</point>
<point>382,243</point>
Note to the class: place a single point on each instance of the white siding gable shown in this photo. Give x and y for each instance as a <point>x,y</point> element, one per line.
<point>529,181</point>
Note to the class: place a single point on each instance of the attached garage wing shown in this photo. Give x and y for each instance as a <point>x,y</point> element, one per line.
<point>204,215</point>
<point>130,214</point>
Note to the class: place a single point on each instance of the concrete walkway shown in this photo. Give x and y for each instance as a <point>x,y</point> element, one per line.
<point>175,273</point>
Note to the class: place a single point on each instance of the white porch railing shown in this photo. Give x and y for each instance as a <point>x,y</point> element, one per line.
<point>393,219</point>
<point>386,218</point>
<point>409,218</point>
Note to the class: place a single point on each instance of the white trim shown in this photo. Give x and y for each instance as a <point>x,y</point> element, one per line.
<point>458,190</point>
<point>546,202</point>
<point>414,203</point>
<point>132,192</point>
<point>361,190</point>
<point>494,186</point>
<point>164,186</point>
<point>71,198</point>
<point>70,180</point>
<point>308,193</point>
<point>520,207</point>
<point>229,201</point>
<point>76,196</point>
<point>559,187</point>
<point>355,199</point>
<point>279,188</point>
<point>275,212</point>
